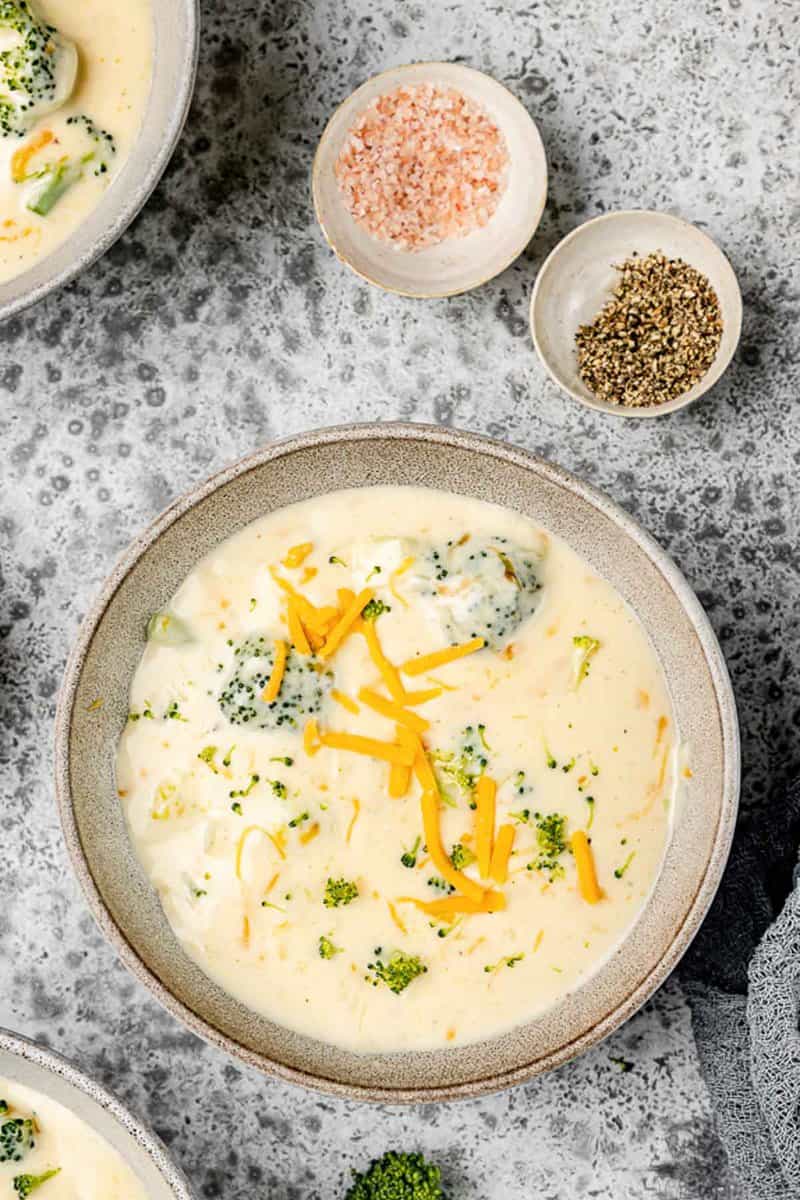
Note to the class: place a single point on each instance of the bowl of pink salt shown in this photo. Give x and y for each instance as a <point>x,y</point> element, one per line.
<point>430,179</point>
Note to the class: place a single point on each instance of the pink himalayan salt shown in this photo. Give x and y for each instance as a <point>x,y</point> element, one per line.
<point>422,164</point>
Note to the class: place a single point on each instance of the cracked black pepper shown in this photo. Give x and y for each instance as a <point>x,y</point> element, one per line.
<point>655,338</point>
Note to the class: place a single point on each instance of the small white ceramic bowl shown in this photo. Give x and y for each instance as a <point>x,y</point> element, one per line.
<point>44,1071</point>
<point>459,264</point>
<point>579,277</point>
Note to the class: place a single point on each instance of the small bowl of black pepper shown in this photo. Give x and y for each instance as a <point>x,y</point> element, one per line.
<point>636,313</point>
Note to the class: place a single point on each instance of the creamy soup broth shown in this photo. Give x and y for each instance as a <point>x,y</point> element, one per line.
<point>50,1138</point>
<point>565,713</point>
<point>66,148</point>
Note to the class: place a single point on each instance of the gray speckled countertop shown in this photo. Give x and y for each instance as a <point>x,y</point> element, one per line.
<point>221,320</point>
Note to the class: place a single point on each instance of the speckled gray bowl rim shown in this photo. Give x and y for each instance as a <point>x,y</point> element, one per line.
<point>134,199</point>
<point>54,1064</point>
<point>501,452</point>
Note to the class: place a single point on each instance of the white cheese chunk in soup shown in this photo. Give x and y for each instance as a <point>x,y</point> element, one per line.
<point>41,1138</point>
<point>74,82</point>
<point>374,847</point>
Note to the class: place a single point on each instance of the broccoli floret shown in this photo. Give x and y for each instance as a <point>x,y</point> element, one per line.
<point>327,948</point>
<point>551,836</point>
<point>409,857</point>
<point>465,765</point>
<point>374,609</point>
<point>461,856</point>
<point>397,972</point>
<point>303,688</point>
<point>398,1176</point>
<point>583,648</point>
<point>17,1137</point>
<point>338,892</point>
<point>25,1184</point>
<point>37,68</point>
<point>483,587</point>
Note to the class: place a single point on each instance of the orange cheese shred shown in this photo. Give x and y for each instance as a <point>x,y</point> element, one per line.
<point>501,853</point>
<point>433,840</point>
<point>399,780</point>
<point>297,555</point>
<point>353,819</point>
<point>485,794</point>
<point>20,158</point>
<point>241,844</point>
<point>388,671</point>
<point>309,834</point>
<point>412,699</point>
<point>346,701</point>
<point>393,913</point>
<point>311,738</point>
<point>429,662</point>
<point>372,747</point>
<point>584,861</point>
<point>275,680</point>
<point>345,623</point>
<point>395,575</point>
<point>453,906</point>
<point>296,631</point>
<point>394,712</point>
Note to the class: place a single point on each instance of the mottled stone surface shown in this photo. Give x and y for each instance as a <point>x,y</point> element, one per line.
<point>221,320</point>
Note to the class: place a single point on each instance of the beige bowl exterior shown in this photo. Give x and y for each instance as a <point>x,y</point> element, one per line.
<point>458,264</point>
<point>176,25</point>
<point>48,1073</point>
<point>111,641</point>
<point>578,277</point>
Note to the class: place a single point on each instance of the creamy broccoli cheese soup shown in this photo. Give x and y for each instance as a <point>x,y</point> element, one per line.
<point>48,1152</point>
<point>74,81</point>
<point>400,766</point>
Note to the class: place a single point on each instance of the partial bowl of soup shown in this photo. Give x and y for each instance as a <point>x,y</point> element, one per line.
<point>93,98</point>
<point>398,762</point>
<point>63,1135</point>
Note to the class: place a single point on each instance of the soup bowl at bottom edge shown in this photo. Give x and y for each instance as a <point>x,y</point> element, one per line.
<point>42,1070</point>
<point>110,644</point>
<point>175,50</point>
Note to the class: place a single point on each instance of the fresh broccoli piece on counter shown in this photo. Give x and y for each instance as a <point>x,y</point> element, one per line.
<point>398,1176</point>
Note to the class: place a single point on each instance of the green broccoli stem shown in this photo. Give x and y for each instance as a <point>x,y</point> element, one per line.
<point>64,177</point>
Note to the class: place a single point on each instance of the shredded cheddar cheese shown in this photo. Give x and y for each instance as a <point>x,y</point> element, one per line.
<point>485,794</point>
<point>241,844</point>
<point>345,623</point>
<point>310,834</point>
<point>584,861</point>
<point>388,671</point>
<point>399,780</point>
<point>297,555</point>
<point>345,701</point>
<point>20,158</point>
<point>429,662</point>
<point>453,906</point>
<point>433,840</point>
<point>413,699</point>
<point>275,680</point>
<point>296,631</point>
<point>373,747</point>
<point>393,913</point>
<point>394,712</point>
<point>311,737</point>
<point>353,819</point>
<point>501,853</point>
<point>395,575</point>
